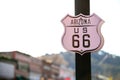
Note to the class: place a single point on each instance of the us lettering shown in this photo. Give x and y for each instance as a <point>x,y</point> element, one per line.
<point>76,43</point>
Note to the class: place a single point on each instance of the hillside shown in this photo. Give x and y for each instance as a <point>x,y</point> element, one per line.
<point>102,63</point>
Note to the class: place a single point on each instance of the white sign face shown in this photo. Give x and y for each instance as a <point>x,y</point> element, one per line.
<point>82,33</point>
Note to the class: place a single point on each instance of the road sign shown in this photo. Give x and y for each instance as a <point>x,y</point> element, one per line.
<point>82,33</point>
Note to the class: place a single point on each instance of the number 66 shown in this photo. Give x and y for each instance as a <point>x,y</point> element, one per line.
<point>76,41</point>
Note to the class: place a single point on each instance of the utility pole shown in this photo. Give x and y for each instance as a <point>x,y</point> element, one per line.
<point>83,63</point>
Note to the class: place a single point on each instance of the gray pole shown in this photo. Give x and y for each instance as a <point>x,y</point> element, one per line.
<point>83,63</point>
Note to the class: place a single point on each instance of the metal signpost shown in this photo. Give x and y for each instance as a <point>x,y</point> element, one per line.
<point>82,35</point>
<point>83,63</point>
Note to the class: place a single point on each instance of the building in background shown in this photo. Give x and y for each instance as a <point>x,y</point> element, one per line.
<point>16,65</point>
<point>7,68</point>
<point>57,66</point>
<point>35,70</point>
<point>25,66</point>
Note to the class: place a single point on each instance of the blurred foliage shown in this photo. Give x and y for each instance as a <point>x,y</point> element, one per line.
<point>8,59</point>
<point>106,64</point>
<point>101,63</point>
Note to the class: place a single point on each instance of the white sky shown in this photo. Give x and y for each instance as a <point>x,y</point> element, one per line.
<point>34,26</point>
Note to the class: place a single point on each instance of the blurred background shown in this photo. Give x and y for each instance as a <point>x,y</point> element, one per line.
<point>30,40</point>
<point>16,65</point>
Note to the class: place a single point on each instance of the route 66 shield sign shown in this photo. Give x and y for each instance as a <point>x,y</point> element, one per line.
<point>82,33</point>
